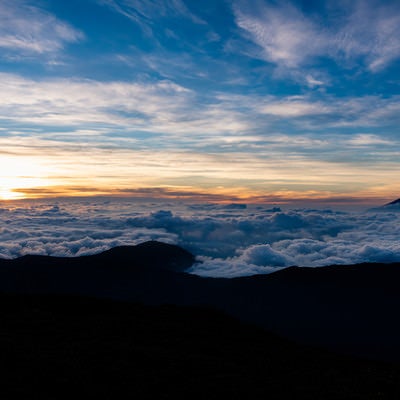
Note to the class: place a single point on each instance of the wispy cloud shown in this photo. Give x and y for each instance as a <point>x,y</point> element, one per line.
<point>370,31</point>
<point>295,106</point>
<point>282,33</point>
<point>145,13</point>
<point>365,139</point>
<point>140,110</point>
<point>312,112</point>
<point>149,10</point>
<point>362,31</point>
<point>62,102</point>
<point>27,30</point>
<point>155,107</point>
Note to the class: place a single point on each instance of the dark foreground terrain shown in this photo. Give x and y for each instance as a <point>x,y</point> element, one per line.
<point>56,347</point>
<point>132,319</point>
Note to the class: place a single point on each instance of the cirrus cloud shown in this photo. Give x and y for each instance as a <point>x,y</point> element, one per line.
<point>365,32</point>
<point>27,30</point>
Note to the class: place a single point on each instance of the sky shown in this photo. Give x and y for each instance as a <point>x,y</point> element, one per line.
<point>251,101</point>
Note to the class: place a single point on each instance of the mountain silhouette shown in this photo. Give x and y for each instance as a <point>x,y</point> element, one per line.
<point>351,309</point>
<point>392,203</point>
<point>391,206</point>
<point>151,254</point>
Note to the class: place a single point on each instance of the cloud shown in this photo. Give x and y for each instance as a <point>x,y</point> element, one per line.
<point>228,268</point>
<point>27,30</point>
<point>53,166</point>
<point>309,111</point>
<point>153,133</point>
<point>312,81</point>
<point>165,107</point>
<point>63,232</point>
<point>264,255</point>
<point>366,33</point>
<point>282,33</point>
<point>227,240</point>
<point>146,13</point>
<point>296,106</point>
<point>371,32</point>
<point>147,10</point>
<point>365,139</point>
<point>161,106</point>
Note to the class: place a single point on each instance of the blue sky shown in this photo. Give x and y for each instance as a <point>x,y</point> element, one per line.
<point>265,101</point>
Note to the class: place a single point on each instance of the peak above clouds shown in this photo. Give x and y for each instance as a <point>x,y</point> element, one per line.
<point>391,206</point>
<point>393,203</point>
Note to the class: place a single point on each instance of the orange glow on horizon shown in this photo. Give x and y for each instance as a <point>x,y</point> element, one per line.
<point>48,170</point>
<point>221,195</point>
<point>68,175</point>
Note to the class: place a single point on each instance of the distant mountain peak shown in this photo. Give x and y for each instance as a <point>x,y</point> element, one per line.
<point>392,203</point>
<point>393,206</point>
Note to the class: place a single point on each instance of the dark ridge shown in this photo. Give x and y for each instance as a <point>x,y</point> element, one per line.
<point>60,346</point>
<point>349,309</point>
<point>393,203</point>
<point>151,254</point>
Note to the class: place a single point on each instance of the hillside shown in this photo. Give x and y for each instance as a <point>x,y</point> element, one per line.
<point>62,346</point>
<point>351,309</point>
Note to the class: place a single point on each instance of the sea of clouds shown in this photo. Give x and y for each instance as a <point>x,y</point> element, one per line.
<point>228,240</point>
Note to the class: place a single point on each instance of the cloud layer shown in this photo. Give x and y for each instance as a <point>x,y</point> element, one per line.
<point>231,240</point>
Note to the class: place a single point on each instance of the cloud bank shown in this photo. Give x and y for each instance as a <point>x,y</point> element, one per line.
<point>228,241</point>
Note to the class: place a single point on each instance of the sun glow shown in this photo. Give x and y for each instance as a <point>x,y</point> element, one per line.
<point>20,173</point>
<point>8,194</point>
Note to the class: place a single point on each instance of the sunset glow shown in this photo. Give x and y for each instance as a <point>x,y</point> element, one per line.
<point>223,101</point>
<point>18,174</point>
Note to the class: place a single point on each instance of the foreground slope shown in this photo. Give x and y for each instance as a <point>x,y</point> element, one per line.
<point>352,309</point>
<point>56,347</point>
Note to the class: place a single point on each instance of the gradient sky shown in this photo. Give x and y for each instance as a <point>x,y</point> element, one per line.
<point>209,100</point>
